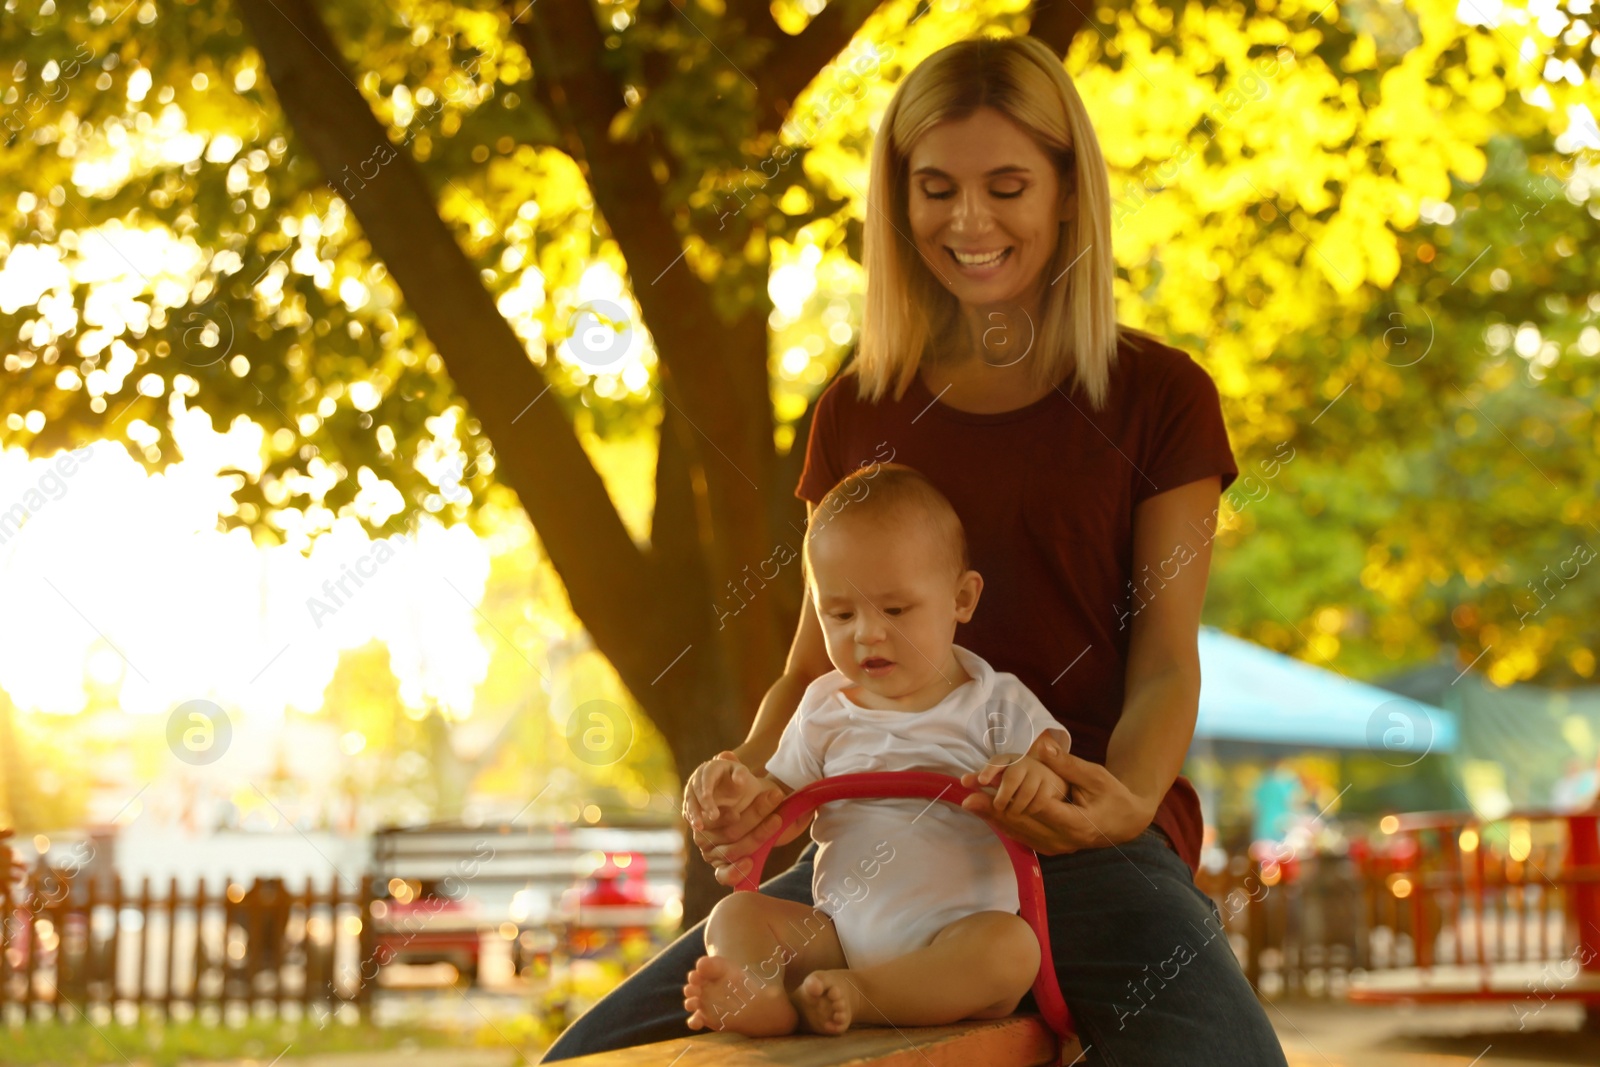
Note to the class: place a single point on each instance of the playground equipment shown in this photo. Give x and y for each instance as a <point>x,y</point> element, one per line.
<point>934,787</point>
<point>1504,909</point>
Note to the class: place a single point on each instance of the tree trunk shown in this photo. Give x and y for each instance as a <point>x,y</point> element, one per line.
<point>725,498</point>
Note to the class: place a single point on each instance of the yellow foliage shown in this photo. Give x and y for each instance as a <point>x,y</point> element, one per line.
<point>1485,94</point>
<point>1582,661</point>
<point>1364,56</point>
<point>627,466</point>
<point>1483,56</point>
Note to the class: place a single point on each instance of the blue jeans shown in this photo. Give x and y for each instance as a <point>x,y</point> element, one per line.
<point>1139,952</point>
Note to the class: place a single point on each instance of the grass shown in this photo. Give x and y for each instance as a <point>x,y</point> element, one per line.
<point>154,1042</point>
<point>159,1044</point>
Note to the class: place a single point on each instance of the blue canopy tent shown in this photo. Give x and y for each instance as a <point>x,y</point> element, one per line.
<point>1258,706</point>
<point>1252,694</point>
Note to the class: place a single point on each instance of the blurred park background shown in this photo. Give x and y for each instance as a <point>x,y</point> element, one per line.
<point>400,416</point>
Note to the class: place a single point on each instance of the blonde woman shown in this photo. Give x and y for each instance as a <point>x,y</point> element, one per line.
<point>1085,461</point>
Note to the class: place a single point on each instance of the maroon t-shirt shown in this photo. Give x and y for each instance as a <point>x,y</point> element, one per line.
<point>1046,493</point>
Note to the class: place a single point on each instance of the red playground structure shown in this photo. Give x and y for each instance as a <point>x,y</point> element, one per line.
<point>935,787</point>
<point>1504,909</point>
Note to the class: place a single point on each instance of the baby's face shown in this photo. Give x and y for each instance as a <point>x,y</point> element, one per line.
<point>889,600</point>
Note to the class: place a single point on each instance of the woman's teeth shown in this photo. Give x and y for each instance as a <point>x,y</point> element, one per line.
<point>985,259</point>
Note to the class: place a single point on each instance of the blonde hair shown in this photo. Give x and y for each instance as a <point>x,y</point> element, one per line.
<point>906,306</point>
<point>892,493</point>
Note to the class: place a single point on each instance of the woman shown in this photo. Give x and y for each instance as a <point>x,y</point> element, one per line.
<point>1086,462</point>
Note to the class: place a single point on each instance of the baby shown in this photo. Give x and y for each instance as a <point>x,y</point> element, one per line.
<point>916,920</point>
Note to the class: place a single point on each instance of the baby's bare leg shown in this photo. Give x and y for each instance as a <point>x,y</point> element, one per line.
<point>978,967</point>
<point>760,947</point>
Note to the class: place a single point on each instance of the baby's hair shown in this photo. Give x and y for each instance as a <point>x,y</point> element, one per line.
<point>884,492</point>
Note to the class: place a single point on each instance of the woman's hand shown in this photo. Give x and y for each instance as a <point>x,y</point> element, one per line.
<point>1098,810</point>
<point>724,834</point>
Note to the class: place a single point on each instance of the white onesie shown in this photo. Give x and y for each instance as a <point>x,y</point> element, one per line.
<point>892,873</point>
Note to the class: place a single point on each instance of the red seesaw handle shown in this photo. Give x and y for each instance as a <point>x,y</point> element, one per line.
<point>878,784</point>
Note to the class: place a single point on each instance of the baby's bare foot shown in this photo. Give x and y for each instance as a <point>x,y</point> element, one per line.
<point>720,996</point>
<point>824,1001</point>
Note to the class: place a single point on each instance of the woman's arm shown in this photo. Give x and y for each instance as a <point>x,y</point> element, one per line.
<point>808,661</point>
<point>1115,803</point>
<point>730,837</point>
<point>1162,687</point>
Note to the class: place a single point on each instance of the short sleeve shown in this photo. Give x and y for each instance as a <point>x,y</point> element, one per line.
<point>1014,718</point>
<point>798,760</point>
<point>1187,439</point>
<point>822,469</point>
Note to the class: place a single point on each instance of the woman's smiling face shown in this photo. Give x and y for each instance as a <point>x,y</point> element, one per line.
<point>984,205</point>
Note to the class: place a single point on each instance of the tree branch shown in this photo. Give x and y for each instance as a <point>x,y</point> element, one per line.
<point>794,62</point>
<point>717,369</point>
<point>602,568</point>
<point>757,18</point>
<point>675,303</point>
<point>1057,22</point>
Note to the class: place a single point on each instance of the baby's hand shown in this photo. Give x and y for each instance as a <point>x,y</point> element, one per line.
<point>733,791</point>
<point>1025,786</point>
